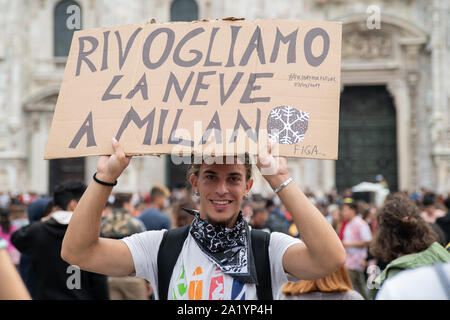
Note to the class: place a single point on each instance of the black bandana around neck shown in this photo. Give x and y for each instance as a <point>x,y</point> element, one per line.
<point>229,249</point>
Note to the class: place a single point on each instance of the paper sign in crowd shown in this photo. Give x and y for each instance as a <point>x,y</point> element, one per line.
<point>208,87</point>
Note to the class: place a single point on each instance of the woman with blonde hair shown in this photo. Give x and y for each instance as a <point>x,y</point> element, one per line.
<point>336,286</point>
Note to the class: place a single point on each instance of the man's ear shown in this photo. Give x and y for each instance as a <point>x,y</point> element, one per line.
<point>193,179</point>
<point>248,185</point>
<point>72,205</point>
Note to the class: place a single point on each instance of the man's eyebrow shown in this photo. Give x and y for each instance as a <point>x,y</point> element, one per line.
<point>235,174</point>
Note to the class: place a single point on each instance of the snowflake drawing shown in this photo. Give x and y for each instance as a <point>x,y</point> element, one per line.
<point>287,125</point>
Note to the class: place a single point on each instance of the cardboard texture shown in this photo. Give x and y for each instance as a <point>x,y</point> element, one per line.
<point>206,87</point>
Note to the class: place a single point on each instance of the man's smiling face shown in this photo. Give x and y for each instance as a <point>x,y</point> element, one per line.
<point>222,188</point>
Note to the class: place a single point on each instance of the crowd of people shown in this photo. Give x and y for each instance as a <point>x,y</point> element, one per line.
<point>409,231</point>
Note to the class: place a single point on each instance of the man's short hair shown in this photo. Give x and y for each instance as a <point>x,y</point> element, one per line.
<point>269,203</point>
<point>121,198</point>
<point>428,199</point>
<point>259,210</point>
<point>68,191</point>
<point>158,191</point>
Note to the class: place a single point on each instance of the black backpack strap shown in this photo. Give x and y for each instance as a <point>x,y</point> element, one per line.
<point>260,247</point>
<point>169,250</point>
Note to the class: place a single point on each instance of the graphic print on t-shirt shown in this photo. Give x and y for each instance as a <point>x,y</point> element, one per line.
<point>194,270</point>
<point>180,287</point>
<point>238,290</point>
<point>196,285</point>
<point>216,287</point>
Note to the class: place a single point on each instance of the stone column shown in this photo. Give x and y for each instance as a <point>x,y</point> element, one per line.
<point>37,179</point>
<point>442,165</point>
<point>439,128</point>
<point>405,129</point>
<point>329,175</point>
<point>14,153</point>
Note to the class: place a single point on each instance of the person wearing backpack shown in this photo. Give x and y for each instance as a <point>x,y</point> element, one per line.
<point>217,256</point>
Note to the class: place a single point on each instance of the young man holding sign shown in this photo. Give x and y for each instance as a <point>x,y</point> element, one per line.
<point>218,257</point>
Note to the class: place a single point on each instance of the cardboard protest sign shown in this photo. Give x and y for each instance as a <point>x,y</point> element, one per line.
<point>207,87</point>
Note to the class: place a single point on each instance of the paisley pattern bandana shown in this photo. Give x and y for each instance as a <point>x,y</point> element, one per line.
<point>229,249</point>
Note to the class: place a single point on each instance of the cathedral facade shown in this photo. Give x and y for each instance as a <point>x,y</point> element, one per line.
<point>395,97</point>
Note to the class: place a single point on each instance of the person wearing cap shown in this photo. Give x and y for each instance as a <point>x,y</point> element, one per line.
<point>356,239</point>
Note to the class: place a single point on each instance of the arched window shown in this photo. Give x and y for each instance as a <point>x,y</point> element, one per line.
<point>184,10</point>
<point>67,19</point>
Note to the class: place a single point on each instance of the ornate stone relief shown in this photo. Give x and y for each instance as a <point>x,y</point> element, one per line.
<point>360,43</point>
<point>47,104</point>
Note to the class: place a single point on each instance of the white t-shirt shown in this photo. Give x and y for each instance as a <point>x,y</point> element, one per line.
<point>356,230</point>
<point>196,277</point>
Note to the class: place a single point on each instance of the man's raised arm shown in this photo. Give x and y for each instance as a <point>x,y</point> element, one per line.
<point>321,252</point>
<point>82,245</point>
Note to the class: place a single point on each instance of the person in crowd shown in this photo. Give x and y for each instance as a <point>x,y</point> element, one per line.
<point>369,215</point>
<point>356,238</point>
<point>153,217</point>
<point>336,219</point>
<point>215,259</point>
<point>179,216</point>
<point>292,231</point>
<point>444,221</point>
<point>404,239</point>
<point>423,283</point>
<point>431,213</point>
<point>257,200</point>
<point>11,284</point>
<point>6,230</point>
<point>336,286</point>
<point>259,218</point>
<point>117,224</point>
<point>107,210</point>
<point>348,193</point>
<point>37,210</point>
<point>332,215</point>
<point>247,210</point>
<point>339,222</point>
<point>382,181</point>
<point>139,208</point>
<point>5,199</point>
<point>18,215</point>
<point>55,279</point>
<point>276,220</point>
<point>178,192</point>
